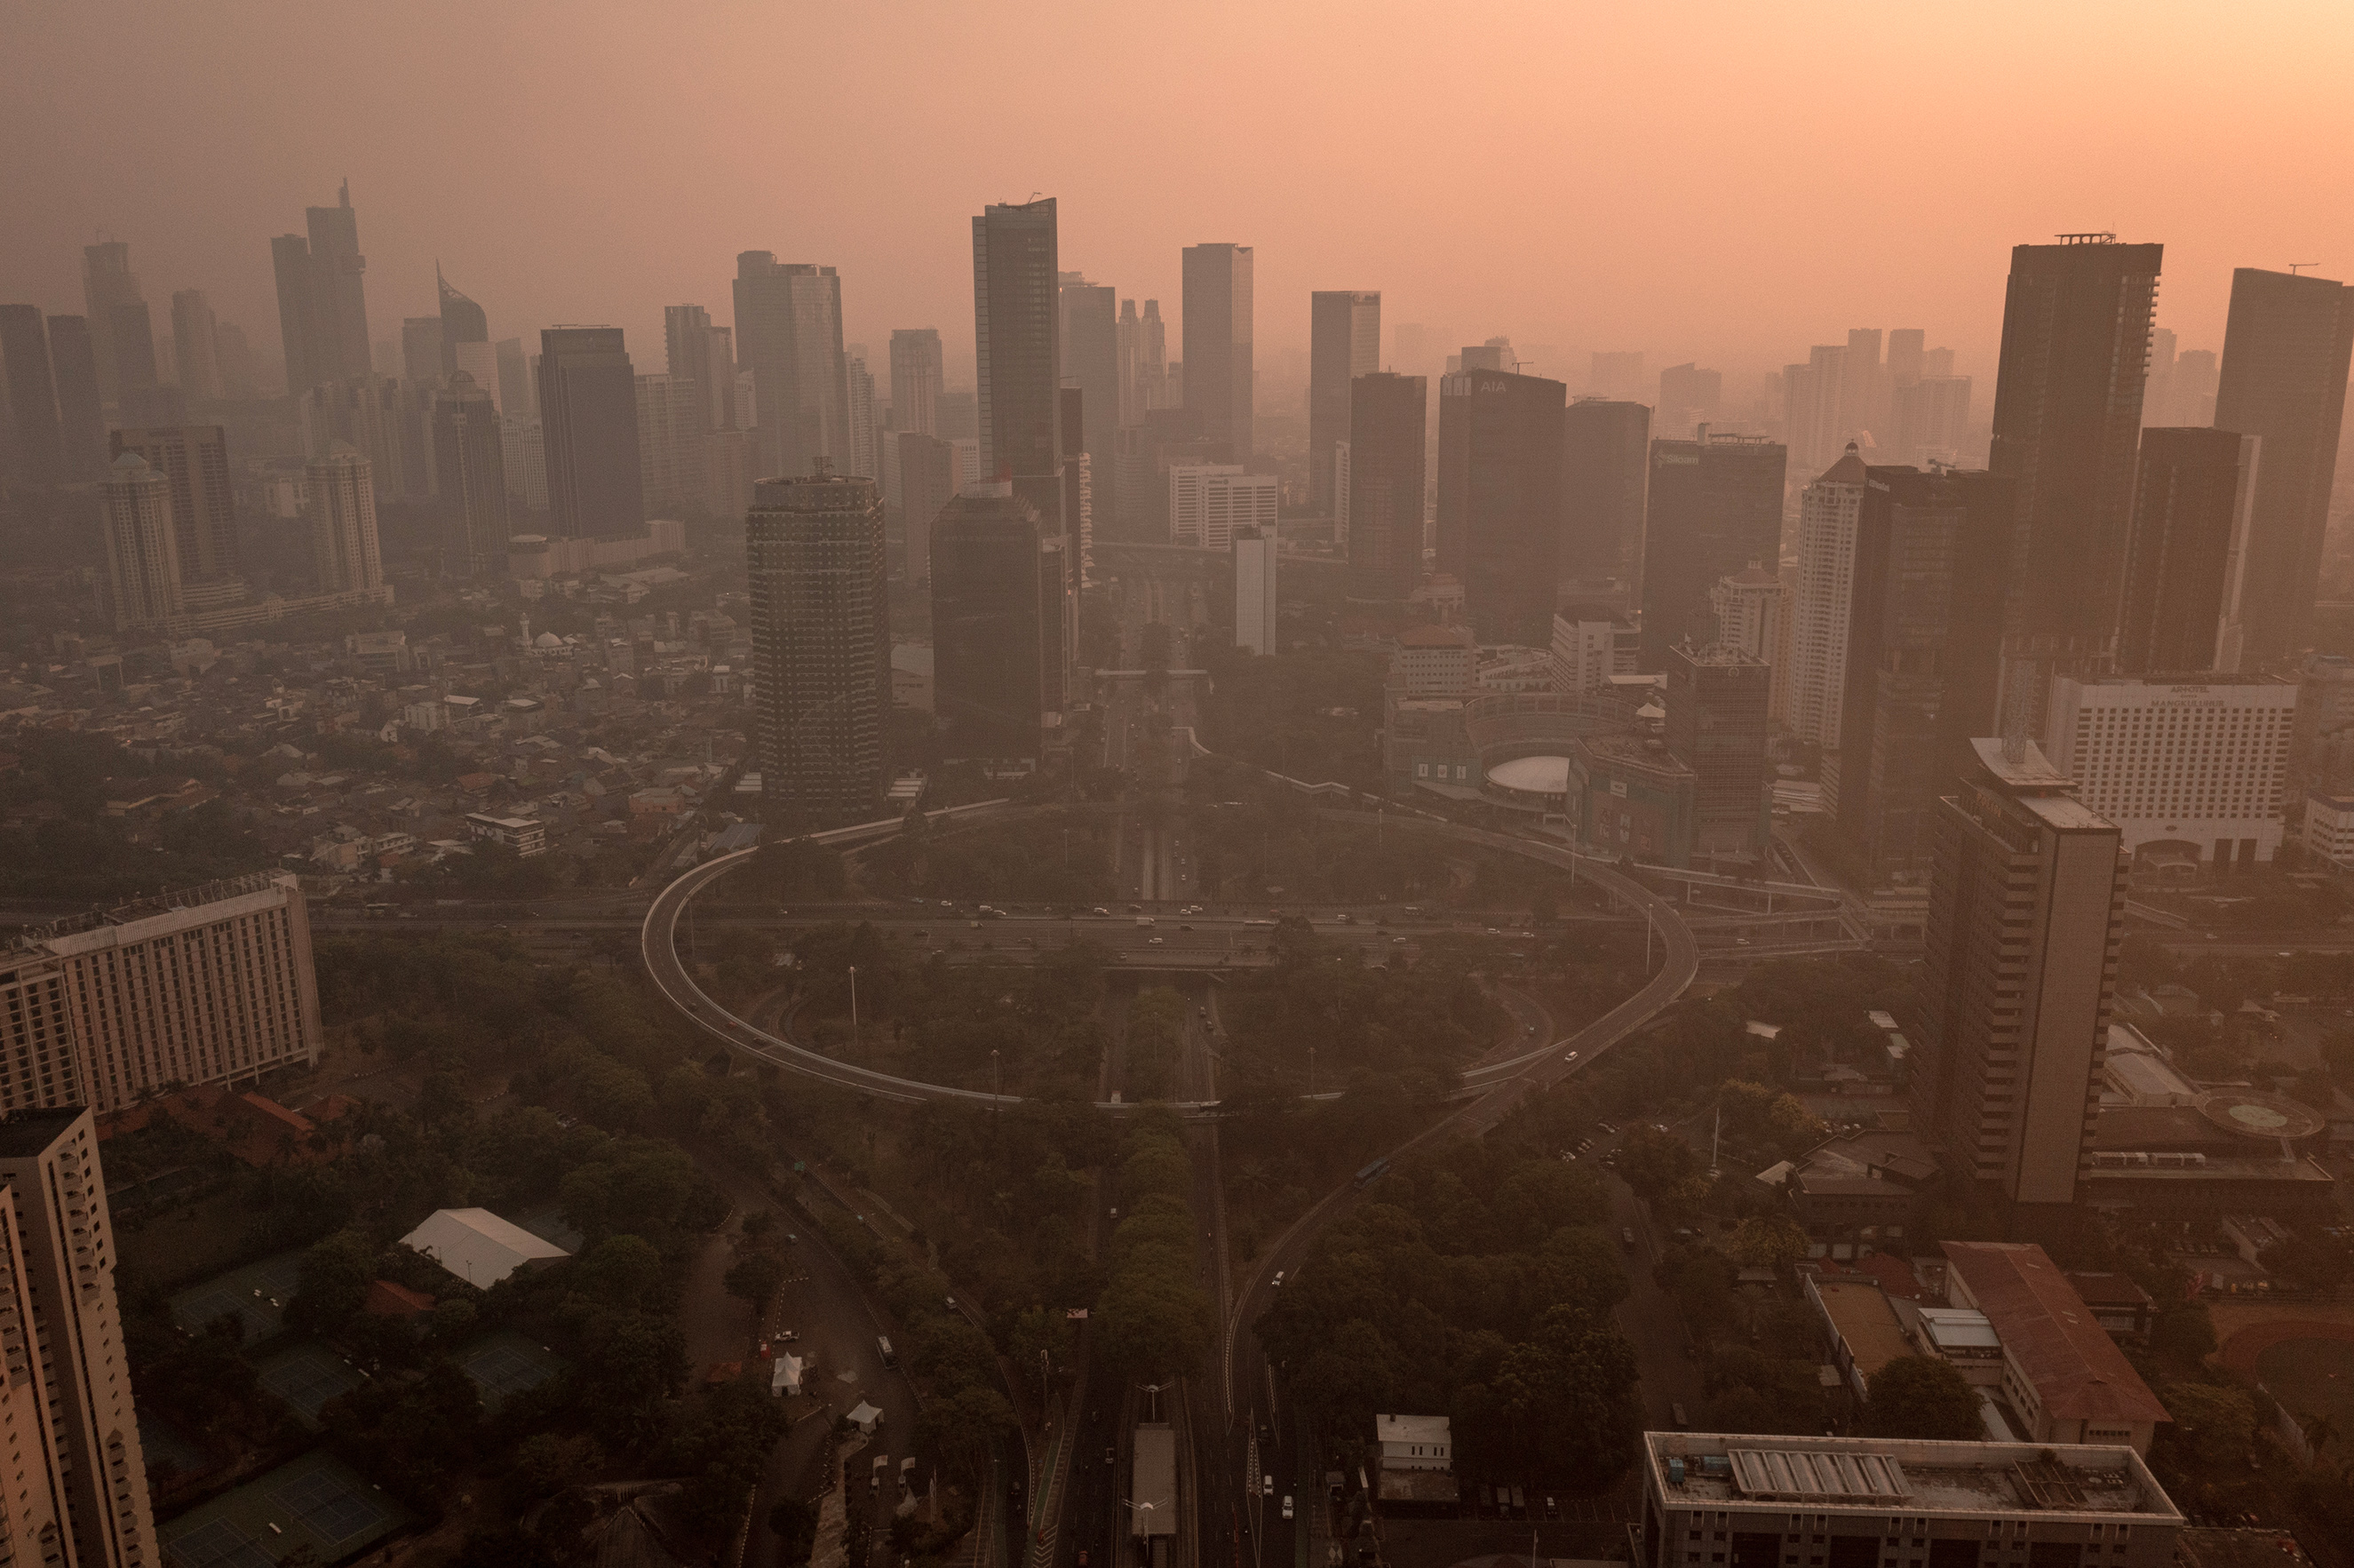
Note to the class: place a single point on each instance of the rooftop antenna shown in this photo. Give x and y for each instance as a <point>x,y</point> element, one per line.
<point>2294,265</point>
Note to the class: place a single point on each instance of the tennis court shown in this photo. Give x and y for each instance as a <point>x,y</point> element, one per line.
<point>258,1294</point>
<point>306,1376</point>
<point>505,1363</point>
<point>316,1501</point>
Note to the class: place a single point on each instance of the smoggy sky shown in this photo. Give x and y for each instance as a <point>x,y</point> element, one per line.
<point>1727,181</point>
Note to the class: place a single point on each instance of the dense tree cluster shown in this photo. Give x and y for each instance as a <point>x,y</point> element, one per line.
<point>70,848</point>
<point>1051,857</point>
<point>1155,1319</point>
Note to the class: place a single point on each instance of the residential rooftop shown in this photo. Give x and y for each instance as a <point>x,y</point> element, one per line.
<point>1868,1475</point>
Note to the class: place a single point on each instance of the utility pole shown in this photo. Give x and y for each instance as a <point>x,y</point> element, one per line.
<point>854,1009</point>
<point>1647,941</point>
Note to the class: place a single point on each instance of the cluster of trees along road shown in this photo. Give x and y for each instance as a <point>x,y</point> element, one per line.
<point>1153,1318</point>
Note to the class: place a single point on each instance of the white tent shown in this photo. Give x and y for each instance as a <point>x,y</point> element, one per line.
<point>785,1375</point>
<point>477,1245</point>
<point>866,1418</point>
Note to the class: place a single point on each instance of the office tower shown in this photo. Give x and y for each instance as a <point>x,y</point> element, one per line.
<point>588,410</point>
<point>233,356</point>
<point>2067,420</point>
<point>698,352</point>
<point>309,359</point>
<point>1208,502</point>
<point>107,282</point>
<point>2026,913</point>
<point>523,456</point>
<point>32,395</point>
<point>2287,345</point>
<point>1922,648</point>
<point>2193,771</point>
<point>469,469</point>
<point>860,456</point>
<point>1929,419</point>
<point>1058,622</point>
<point>927,481</point>
<point>478,360</point>
<point>60,1278</point>
<point>421,356</point>
<point>513,396</point>
<point>1906,349</point>
<point>990,649</point>
<point>2187,562</point>
<point>338,277</point>
<point>1496,353</point>
<point>1591,643</point>
<point>670,444</point>
<point>1863,395</point>
<point>81,420</point>
<point>1078,500</point>
<point>2194,383</point>
<point>1618,376</point>
<point>1815,419</point>
<point>1152,364</point>
<point>1254,589</point>
<point>1688,397</point>
<point>406,418</point>
<point>1753,614</point>
<point>344,554</point>
<point>916,379</point>
<point>1605,469</point>
<point>1344,342</point>
<point>1090,340</point>
<point>1831,511</point>
<point>788,334</point>
<point>1500,489</point>
<point>1017,324</point>
<point>730,472</point>
<point>194,461</point>
<point>2157,394</point>
<point>820,646</point>
<point>133,335</point>
<point>1388,416</point>
<point>1130,339</point>
<point>193,343</point>
<point>1716,505</point>
<point>1217,344</point>
<point>1717,699</point>
<point>143,556</point>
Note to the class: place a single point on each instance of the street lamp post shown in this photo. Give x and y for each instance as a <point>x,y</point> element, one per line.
<point>854,1005</point>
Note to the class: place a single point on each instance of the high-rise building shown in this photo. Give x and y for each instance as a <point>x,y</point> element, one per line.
<point>1254,589</point>
<point>1814,420</point>
<point>1831,511</point>
<point>308,361</point>
<point>820,646</point>
<point>1930,419</point>
<point>421,354</point>
<point>1753,614</point>
<point>1688,397</point>
<point>2197,373</point>
<point>478,359</point>
<point>1079,496</point>
<point>1209,501</point>
<point>1344,342</point>
<point>1090,340</point>
<point>340,270</point>
<point>2286,352</point>
<point>470,468</point>
<point>916,379</point>
<point>2158,389</point>
<point>233,355</point>
<point>1605,472</point>
<point>107,282</point>
<point>515,376</point>
<point>990,630</point>
<point>133,332</point>
<point>1017,332</point>
<point>523,455</point>
<point>194,460</point>
<point>1143,362</point>
<point>1717,699</point>
<point>1217,344</point>
<point>1907,352</point>
<point>1618,376</point>
<point>193,346</point>
<point>863,429</point>
<point>2187,561</point>
<point>342,497</point>
<point>788,334</point>
<point>81,419</point>
<point>728,472</point>
<point>2067,421</point>
<point>1500,512</point>
<point>32,395</point>
<point>588,408</point>
<point>1388,416</point>
<point>698,352</point>
<point>142,555</point>
<point>1590,644</point>
<point>670,444</point>
<point>462,322</point>
<point>927,481</point>
<point>2194,770</point>
<point>2026,915</point>
<point>1865,396</point>
<point>1716,505</point>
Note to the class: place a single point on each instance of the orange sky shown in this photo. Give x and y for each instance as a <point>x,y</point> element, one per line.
<point>1730,182</point>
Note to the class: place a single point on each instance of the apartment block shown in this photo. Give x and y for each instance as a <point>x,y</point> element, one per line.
<point>1208,502</point>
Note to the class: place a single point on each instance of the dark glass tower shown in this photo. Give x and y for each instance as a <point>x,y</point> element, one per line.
<point>2187,562</point>
<point>589,415</point>
<point>1499,438</point>
<point>1716,505</point>
<point>991,630</point>
<point>1017,342</point>
<point>471,473</point>
<point>788,334</point>
<point>32,395</point>
<point>81,419</point>
<point>1344,342</point>
<point>1606,470</point>
<point>1217,344</point>
<point>1388,415</point>
<point>463,321</point>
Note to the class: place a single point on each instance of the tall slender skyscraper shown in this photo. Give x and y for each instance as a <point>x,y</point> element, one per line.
<point>990,627</point>
<point>339,274</point>
<point>915,371</point>
<point>1217,344</point>
<point>2286,352</point>
<point>1388,417</point>
<point>515,399</point>
<point>341,500</point>
<point>143,556</point>
<point>2067,422</point>
<point>462,322</point>
<point>698,352</point>
<point>1499,471</point>
<point>81,420</point>
<point>926,483</point>
<point>1090,338</point>
<point>194,461</point>
<point>1831,516</point>
<point>32,395</point>
<point>1254,589</point>
<point>470,473</point>
<point>106,280</point>
<point>1344,342</point>
<point>1606,471</point>
<point>1017,344</point>
<point>308,362</point>
<point>588,410</point>
<point>422,360</point>
<point>192,331</point>
<point>133,332</point>
<point>2185,606</point>
<point>820,647</point>
<point>788,334</point>
<point>1716,505</point>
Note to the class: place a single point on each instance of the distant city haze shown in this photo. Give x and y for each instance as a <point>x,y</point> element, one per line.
<point>1728,182</point>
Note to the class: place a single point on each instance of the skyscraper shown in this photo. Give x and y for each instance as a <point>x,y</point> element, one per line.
<point>1017,332</point>
<point>915,370</point>
<point>81,420</point>
<point>1815,419</point>
<point>194,461</point>
<point>1929,419</point>
<point>859,455</point>
<point>422,360</point>
<point>106,280</point>
<point>191,345</point>
<point>2286,352</point>
<point>133,333</point>
<point>927,481</point>
<point>1716,505</point>
<point>1717,700</point>
<point>2067,420</point>
<point>344,555</point>
<point>788,334</point>
<point>338,272</point>
<point>143,556</point>
<point>1500,478</point>
<point>820,647</point>
<point>1864,396</point>
<point>696,351</point>
<point>1344,342</point>
<point>2026,914</point>
<point>471,473</point>
<point>990,643</point>
<point>1688,397</point>
<point>462,322</point>
<point>1090,338</point>
<point>670,444</point>
<point>589,409</point>
<point>1217,344</point>
<point>1388,416</point>
<point>1606,470</point>
<point>1831,512</point>
<point>515,375</point>
<point>2187,563</point>
<point>32,395</point>
<point>308,361</point>
<point>233,353</point>
<point>1254,589</point>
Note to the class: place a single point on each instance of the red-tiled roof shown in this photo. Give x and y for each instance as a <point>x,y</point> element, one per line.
<point>1895,1276</point>
<point>2059,1347</point>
